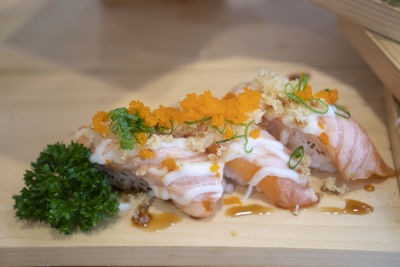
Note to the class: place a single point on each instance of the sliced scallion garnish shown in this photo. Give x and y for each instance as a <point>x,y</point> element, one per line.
<point>346,114</point>
<point>161,130</point>
<point>199,121</point>
<point>297,155</point>
<point>246,138</point>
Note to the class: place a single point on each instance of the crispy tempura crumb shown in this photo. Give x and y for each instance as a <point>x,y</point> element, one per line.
<point>330,185</point>
<point>141,171</point>
<point>304,166</point>
<point>155,140</point>
<point>295,211</point>
<point>275,101</point>
<point>200,143</point>
<point>139,205</point>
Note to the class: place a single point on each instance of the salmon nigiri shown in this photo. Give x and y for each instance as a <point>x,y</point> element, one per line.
<point>267,168</point>
<point>171,149</point>
<point>171,170</point>
<point>164,150</point>
<point>298,117</point>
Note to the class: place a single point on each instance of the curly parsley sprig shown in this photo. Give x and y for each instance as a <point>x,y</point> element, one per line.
<point>65,190</point>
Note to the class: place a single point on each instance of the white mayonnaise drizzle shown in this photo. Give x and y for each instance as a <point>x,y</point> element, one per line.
<point>311,122</point>
<point>194,192</point>
<point>157,171</point>
<point>124,206</point>
<point>266,171</point>
<point>271,145</point>
<point>99,156</point>
<point>189,169</point>
<point>284,137</point>
<point>189,195</point>
<point>259,145</point>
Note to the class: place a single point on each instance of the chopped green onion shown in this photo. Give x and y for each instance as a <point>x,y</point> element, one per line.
<point>291,86</point>
<point>324,106</point>
<point>246,138</point>
<point>347,116</point>
<point>127,126</point>
<point>231,122</point>
<point>300,86</point>
<point>303,82</point>
<point>199,121</point>
<point>240,136</point>
<point>161,130</point>
<point>217,129</point>
<point>226,140</point>
<point>298,155</point>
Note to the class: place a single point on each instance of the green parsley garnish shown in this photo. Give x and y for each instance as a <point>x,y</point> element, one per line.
<point>296,156</point>
<point>65,190</point>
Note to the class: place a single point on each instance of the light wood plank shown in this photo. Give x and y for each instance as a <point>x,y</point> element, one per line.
<point>372,14</point>
<point>380,53</point>
<point>51,85</point>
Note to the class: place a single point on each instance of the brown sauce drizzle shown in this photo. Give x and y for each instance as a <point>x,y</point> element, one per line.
<point>369,188</point>
<point>352,207</point>
<point>232,200</point>
<point>152,222</point>
<point>252,209</point>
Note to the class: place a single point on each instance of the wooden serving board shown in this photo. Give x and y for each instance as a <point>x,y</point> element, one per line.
<point>61,61</point>
<point>379,52</point>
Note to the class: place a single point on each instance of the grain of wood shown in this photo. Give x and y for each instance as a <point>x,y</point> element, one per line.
<point>380,53</point>
<point>61,61</point>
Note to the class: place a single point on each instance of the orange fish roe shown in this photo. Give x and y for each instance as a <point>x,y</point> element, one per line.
<point>324,138</point>
<point>146,154</point>
<point>234,108</point>
<point>232,200</point>
<point>329,95</point>
<point>255,133</point>
<point>229,133</point>
<point>109,164</point>
<point>99,122</point>
<point>170,164</point>
<point>165,115</point>
<point>217,120</point>
<point>320,125</point>
<point>142,138</point>
<point>215,167</point>
<point>237,107</point>
<point>305,94</point>
<point>229,95</point>
<point>193,109</point>
<point>196,107</point>
<point>144,112</point>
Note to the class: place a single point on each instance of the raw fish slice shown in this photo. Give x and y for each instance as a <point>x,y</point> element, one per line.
<point>346,147</point>
<point>193,187</point>
<point>297,116</point>
<point>267,168</point>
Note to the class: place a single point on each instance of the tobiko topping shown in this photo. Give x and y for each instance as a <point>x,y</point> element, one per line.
<point>135,125</point>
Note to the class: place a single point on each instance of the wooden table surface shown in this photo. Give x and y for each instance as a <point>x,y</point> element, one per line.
<point>61,61</point>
